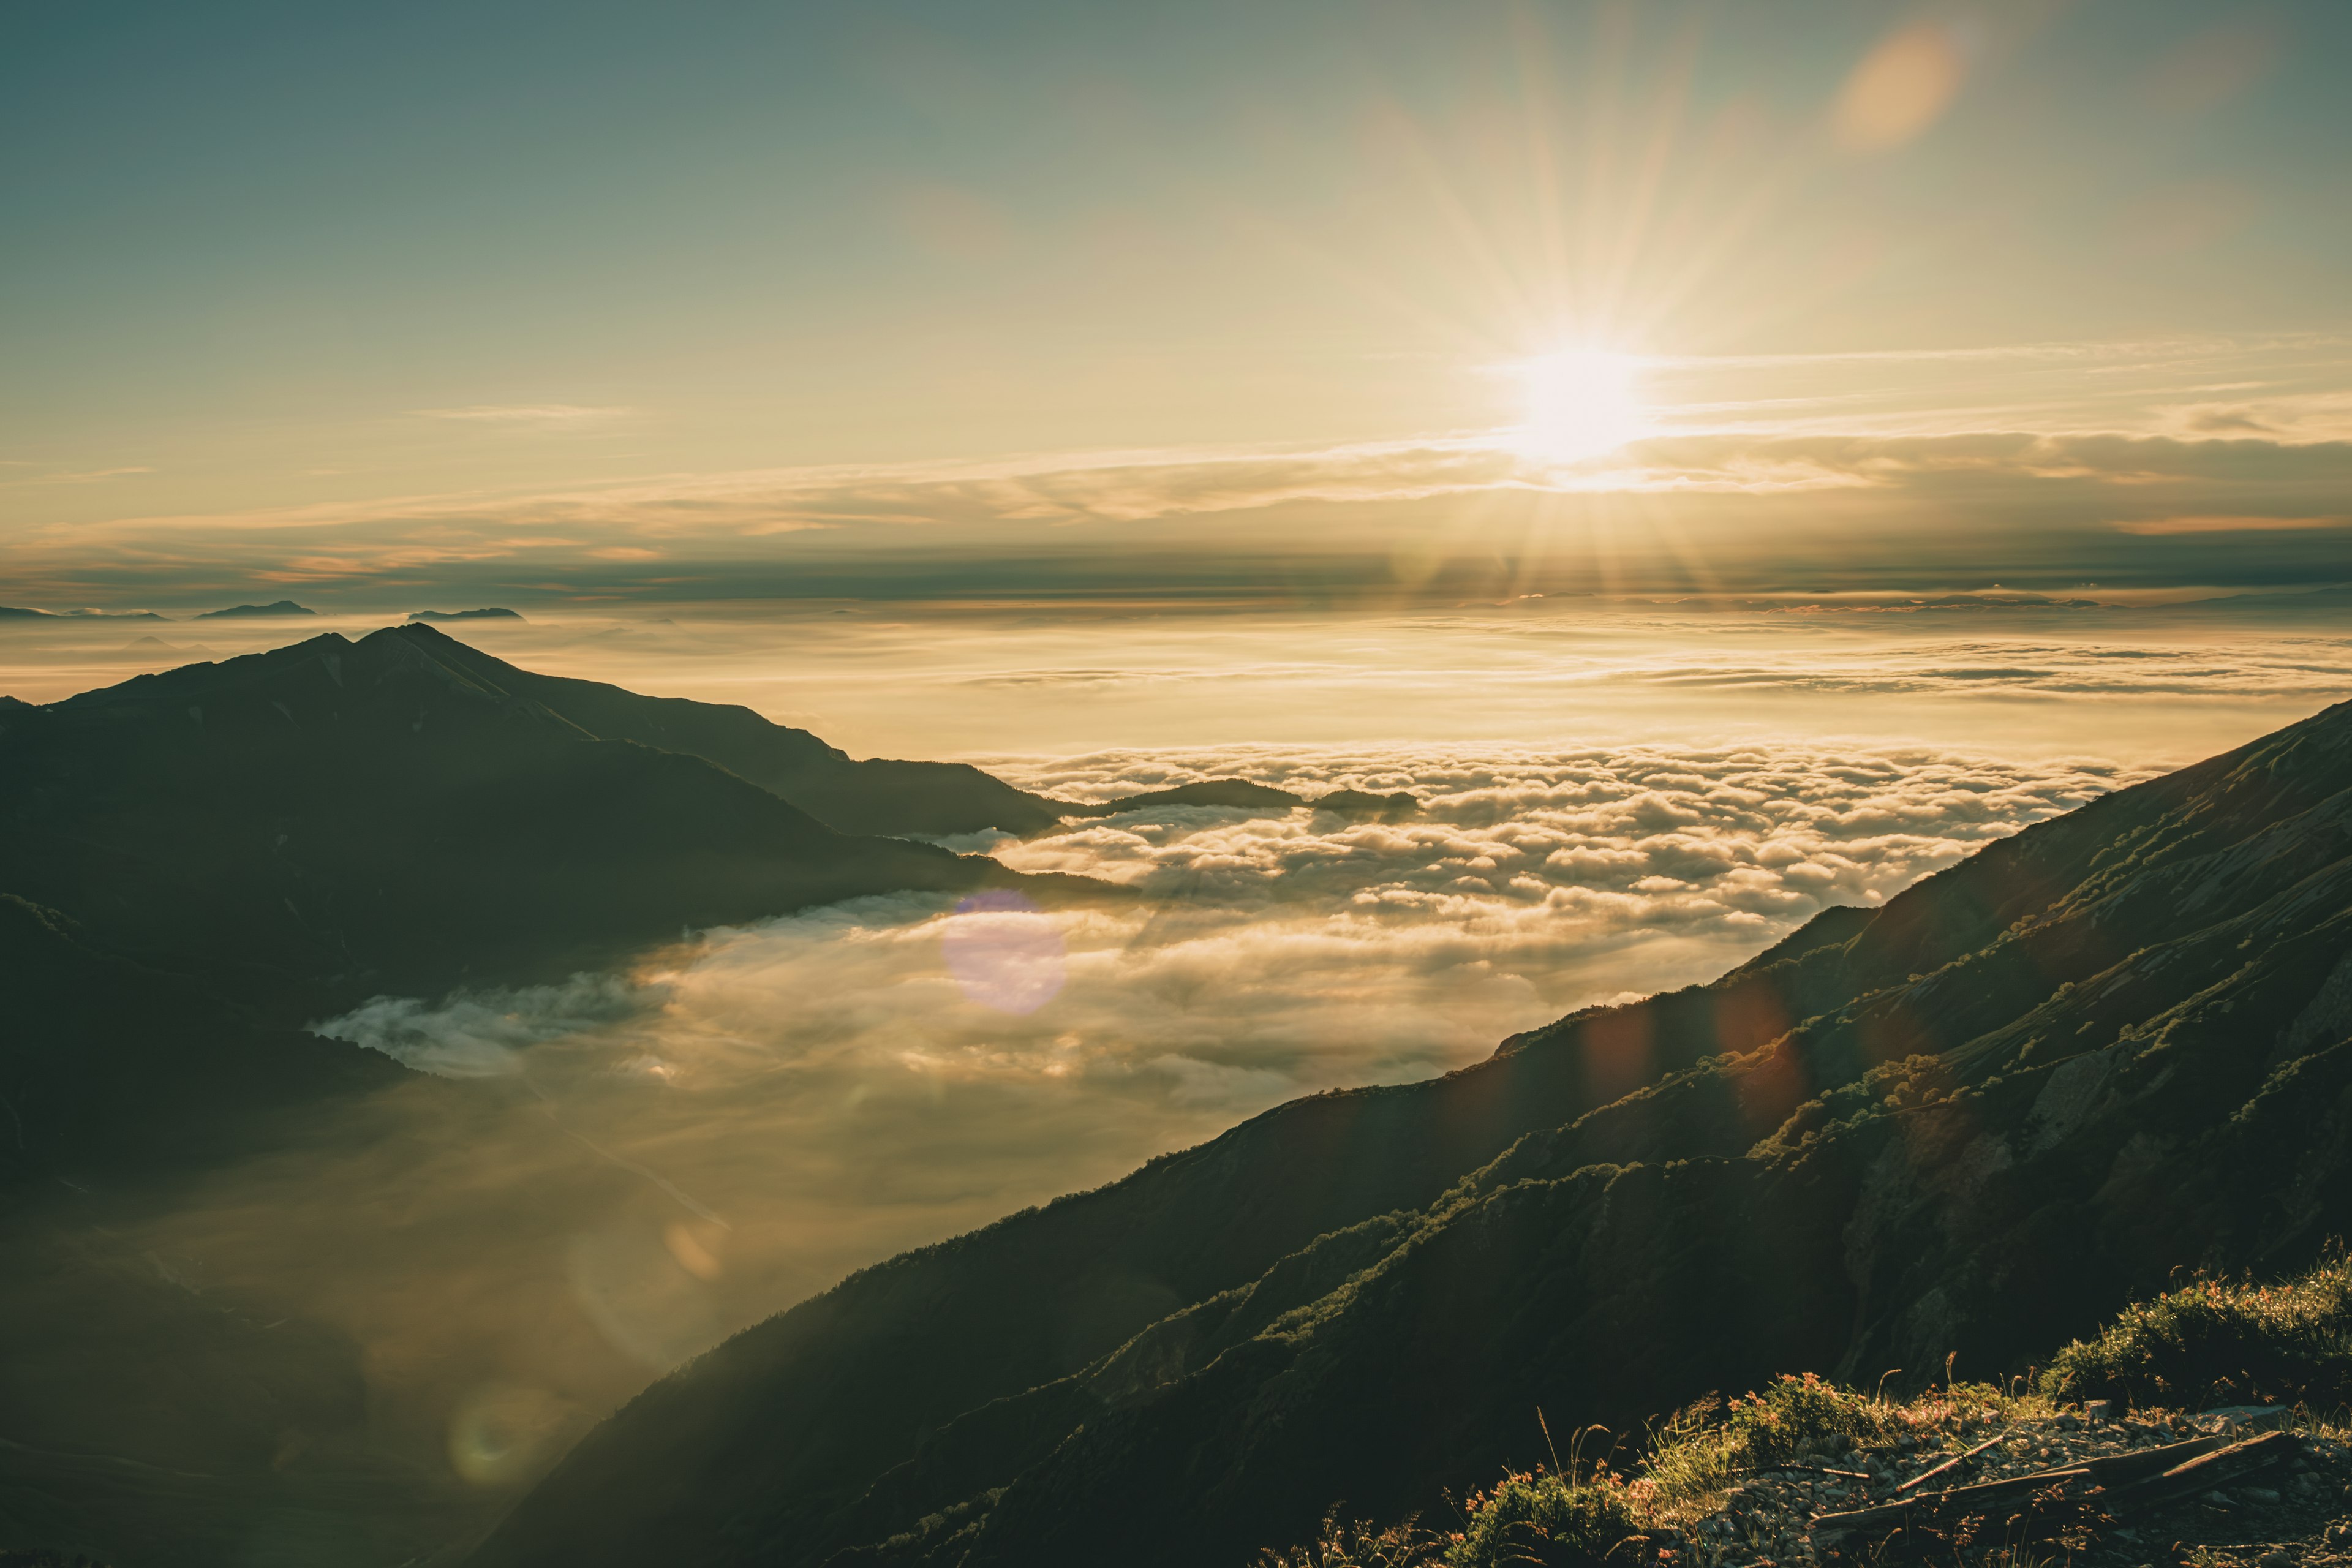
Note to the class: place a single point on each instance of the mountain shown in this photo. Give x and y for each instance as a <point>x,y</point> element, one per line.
<point>152,647</point>
<point>1971,1122</point>
<point>872,796</point>
<point>161,1420</point>
<point>14,613</point>
<point>487,615</point>
<point>1245,794</point>
<point>193,863</point>
<point>335,818</point>
<point>283,608</point>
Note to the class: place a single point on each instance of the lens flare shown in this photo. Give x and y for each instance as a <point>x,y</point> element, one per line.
<point>1003,953</point>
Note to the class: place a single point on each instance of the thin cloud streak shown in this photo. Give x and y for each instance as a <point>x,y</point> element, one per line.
<point>545,414</point>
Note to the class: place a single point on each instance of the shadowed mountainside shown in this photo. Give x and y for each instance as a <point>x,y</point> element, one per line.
<point>334,818</point>
<point>190,864</point>
<point>1974,1121</point>
<point>876,796</point>
<point>150,1418</point>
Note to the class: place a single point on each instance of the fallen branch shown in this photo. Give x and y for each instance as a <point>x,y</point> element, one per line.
<point>1957,1460</point>
<point>2207,1471</point>
<point>2138,1481</point>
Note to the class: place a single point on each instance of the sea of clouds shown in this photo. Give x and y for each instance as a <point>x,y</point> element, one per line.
<point>671,1154</point>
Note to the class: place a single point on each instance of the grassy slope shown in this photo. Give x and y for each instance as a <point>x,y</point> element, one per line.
<point>2225,1342</point>
<point>1968,1122</point>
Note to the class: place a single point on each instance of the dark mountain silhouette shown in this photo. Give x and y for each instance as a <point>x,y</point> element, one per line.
<point>152,646</point>
<point>112,1065</point>
<point>193,863</point>
<point>250,611</point>
<point>1243,795</point>
<point>880,796</point>
<point>155,1419</point>
<point>485,615</point>
<point>336,818</point>
<point>14,613</point>
<point>1972,1121</point>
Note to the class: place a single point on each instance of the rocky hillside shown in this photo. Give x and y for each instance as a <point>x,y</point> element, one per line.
<point>1969,1123</point>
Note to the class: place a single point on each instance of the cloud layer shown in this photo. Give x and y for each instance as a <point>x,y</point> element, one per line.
<point>588,1183</point>
<point>2196,461</point>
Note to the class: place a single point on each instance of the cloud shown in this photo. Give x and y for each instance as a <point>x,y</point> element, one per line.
<point>1289,951</point>
<point>470,1036</point>
<point>604,1177</point>
<point>82,477</point>
<point>2158,526</point>
<point>1876,467</point>
<point>544,415</point>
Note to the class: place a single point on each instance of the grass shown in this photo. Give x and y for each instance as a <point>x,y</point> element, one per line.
<point>2212,1342</point>
<point>1574,1520</point>
<point>2222,1342</point>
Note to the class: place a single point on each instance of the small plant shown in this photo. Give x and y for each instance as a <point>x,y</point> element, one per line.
<point>2222,1342</point>
<point>1796,1417</point>
<point>1543,1519</point>
<point>1359,1545</point>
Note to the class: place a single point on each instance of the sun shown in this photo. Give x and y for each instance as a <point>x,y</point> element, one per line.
<point>1579,403</point>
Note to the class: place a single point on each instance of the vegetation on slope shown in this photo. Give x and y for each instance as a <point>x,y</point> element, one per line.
<point>2214,1342</point>
<point>1979,1120</point>
<point>2222,1340</point>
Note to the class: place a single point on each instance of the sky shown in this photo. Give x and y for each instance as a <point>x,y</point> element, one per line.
<point>599,304</point>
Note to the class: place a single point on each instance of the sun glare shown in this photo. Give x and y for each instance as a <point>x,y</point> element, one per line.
<point>1579,403</point>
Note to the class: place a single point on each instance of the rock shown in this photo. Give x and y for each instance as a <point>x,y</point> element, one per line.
<point>2261,1496</point>
<point>2098,1409</point>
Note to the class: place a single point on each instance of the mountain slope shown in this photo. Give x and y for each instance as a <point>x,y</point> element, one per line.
<point>877,795</point>
<point>334,818</point>
<point>1969,1121</point>
<point>161,1422</point>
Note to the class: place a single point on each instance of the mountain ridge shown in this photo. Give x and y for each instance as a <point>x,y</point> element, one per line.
<point>334,817</point>
<point>1895,1135</point>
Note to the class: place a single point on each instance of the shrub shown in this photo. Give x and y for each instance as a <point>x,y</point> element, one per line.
<point>2222,1342</point>
<point>1798,1417</point>
<point>1542,1520</point>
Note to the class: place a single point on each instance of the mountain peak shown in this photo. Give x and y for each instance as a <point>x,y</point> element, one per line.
<point>249,612</point>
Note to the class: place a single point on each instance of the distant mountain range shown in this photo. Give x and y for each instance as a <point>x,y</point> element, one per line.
<point>1969,1123</point>
<point>280,609</point>
<point>18,613</point>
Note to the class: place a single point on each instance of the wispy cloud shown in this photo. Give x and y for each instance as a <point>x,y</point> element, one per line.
<point>542,416</point>
<point>82,476</point>
<point>2070,453</point>
<point>2169,525</point>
